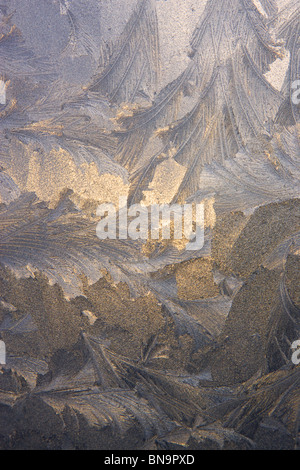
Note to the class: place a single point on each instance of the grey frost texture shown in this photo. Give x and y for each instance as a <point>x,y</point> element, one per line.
<point>142,344</point>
